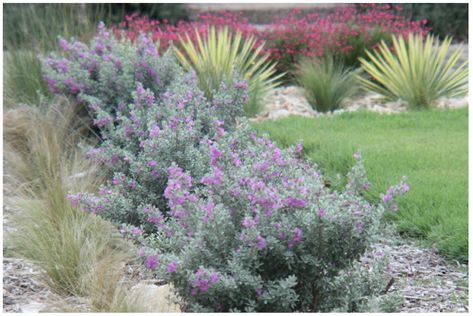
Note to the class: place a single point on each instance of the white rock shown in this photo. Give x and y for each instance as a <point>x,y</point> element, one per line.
<point>32,307</point>
<point>157,298</point>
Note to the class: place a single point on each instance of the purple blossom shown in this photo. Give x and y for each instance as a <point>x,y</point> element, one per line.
<point>74,199</point>
<point>296,237</point>
<point>299,148</point>
<point>154,131</point>
<point>277,155</point>
<point>248,222</point>
<point>136,231</point>
<point>214,277</point>
<point>262,167</point>
<point>214,155</point>
<point>64,44</point>
<point>387,198</point>
<point>366,185</point>
<point>172,267</point>
<point>405,188</point>
<point>215,179</point>
<point>155,219</point>
<point>153,163</point>
<point>151,262</point>
<point>241,85</point>
<point>201,282</point>
<point>259,292</point>
<point>208,208</point>
<point>321,212</point>
<point>294,202</point>
<point>261,242</point>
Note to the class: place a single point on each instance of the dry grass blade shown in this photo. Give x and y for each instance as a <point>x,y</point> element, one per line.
<point>80,254</point>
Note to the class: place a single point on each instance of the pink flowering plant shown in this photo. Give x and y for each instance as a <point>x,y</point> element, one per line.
<point>345,33</point>
<point>261,231</point>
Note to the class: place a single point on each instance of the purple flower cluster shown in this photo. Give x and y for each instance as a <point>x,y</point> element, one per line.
<point>202,281</point>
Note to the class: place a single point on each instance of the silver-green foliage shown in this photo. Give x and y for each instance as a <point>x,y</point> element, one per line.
<point>150,134</point>
<point>261,232</point>
<point>104,73</point>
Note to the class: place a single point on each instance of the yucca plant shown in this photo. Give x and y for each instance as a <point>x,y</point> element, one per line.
<point>220,55</point>
<point>416,71</point>
<point>326,83</point>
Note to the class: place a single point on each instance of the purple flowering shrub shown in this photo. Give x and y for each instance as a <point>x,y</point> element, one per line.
<point>261,231</point>
<point>147,137</point>
<point>104,74</point>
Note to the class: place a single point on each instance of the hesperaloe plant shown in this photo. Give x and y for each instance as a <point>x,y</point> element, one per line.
<point>221,55</point>
<point>416,71</point>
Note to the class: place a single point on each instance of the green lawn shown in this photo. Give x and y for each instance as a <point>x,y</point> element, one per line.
<point>430,147</point>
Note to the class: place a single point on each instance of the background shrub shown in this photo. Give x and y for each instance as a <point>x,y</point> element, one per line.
<point>261,232</point>
<point>326,83</point>
<point>169,12</point>
<point>418,72</point>
<point>444,19</point>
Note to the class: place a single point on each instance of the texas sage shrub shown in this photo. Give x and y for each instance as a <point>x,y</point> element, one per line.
<point>150,134</point>
<point>104,73</point>
<point>261,232</point>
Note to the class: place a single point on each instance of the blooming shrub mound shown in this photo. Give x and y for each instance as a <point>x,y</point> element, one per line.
<point>231,220</point>
<point>149,135</point>
<point>261,231</point>
<point>346,33</point>
<point>104,73</point>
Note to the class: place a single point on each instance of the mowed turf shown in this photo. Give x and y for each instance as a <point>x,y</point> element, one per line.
<point>430,147</point>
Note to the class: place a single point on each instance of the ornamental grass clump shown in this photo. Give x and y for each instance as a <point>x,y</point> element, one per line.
<point>326,83</point>
<point>221,55</point>
<point>261,232</point>
<point>416,71</point>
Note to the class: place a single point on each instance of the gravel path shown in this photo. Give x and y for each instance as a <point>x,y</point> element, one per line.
<point>290,100</point>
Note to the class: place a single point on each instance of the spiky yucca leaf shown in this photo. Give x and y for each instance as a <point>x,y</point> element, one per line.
<point>417,71</point>
<point>222,54</point>
<point>326,83</point>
